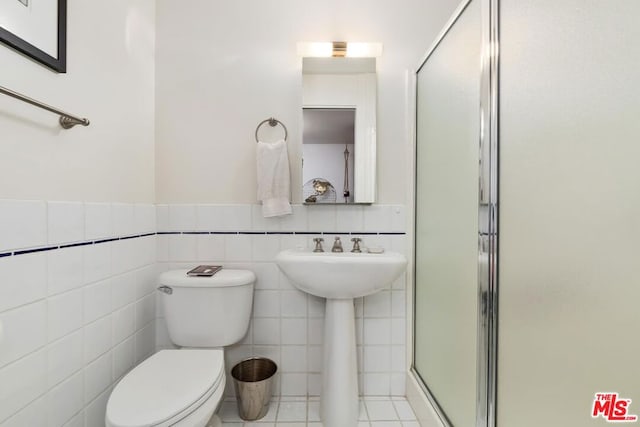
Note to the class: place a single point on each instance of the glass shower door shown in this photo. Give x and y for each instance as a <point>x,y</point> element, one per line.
<point>446,229</point>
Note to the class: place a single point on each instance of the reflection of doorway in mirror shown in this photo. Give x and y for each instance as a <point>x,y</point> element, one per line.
<point>327,133</point>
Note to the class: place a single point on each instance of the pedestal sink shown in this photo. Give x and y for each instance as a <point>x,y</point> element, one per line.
<point>340,277</point>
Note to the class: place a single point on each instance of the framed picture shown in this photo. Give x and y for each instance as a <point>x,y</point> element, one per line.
<point>37,29</point>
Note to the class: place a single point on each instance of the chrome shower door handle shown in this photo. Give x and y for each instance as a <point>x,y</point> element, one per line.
<point>165,289</point>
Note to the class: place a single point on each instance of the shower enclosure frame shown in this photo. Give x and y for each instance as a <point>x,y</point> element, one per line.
<point>487,338</point>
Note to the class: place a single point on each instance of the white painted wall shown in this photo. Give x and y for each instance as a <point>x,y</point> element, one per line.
<point>110,80</point>
<point>569,209</point>
<point>222,67</point>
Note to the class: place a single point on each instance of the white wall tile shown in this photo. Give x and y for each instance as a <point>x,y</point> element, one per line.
<point>145,310</point>
<point>65,268</point>
<point>64,358</point>
<point>146,280</point>
<point>30,373</point>
<point>398,358</point>
<point>23,224</point>
<point>162,218</point>
<point>98,222</point>
<point>235,218</point>
<point>377,384</point>
<point>16,286</point>
<point>96,410</point>
<point>398,331</point>
<point>260,223</point>
<point>145,342</point>
<point>265,247</point>
<point>349,218</point>
<point>162,248</point>
<point>97,300</point>
<point>266,303</point>
<point>97,338</point>
<point>182,218</point>
<point>34,414</point>
<point>321,218</point>
<point>377,331</point>
<point>266,331</point>
<point>294,331</point>
<point>123,256</point>
<point>398,218</point>
<point>209,247</point>
<point>97,376</point>
<point>316,331</point>
<point>293,303</point>
<point>237,247</point>
<point>123,323</point>
<point>65,222</point>
<point>123,357</point>
<point>377,359</point>
<point>294,358</point>
<point>316,306</point>
<point>25,330</point>
<point>398,385</point>
<point>377,218</point>
<point>183,247</point>
<point>145,218</point>
<point>378,304</point>
<point>267,275</point>
<point>398,304</point>
<point>65,400</point>
<point>208,217</point>
<point>96,262</point>
<point>297,221</point>
<point>123,218</point>
<point>64,314</point>
<point>123,290</point>
<point>292,384</point>
<point>76,421</point>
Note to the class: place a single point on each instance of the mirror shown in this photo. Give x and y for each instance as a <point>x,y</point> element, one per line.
<point>339,130</point>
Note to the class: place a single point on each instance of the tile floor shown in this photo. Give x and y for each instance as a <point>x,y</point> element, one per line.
<point>303,412</point>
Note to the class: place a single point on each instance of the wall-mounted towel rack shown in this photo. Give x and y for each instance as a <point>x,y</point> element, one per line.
<point>273,122</point>
<point>67,121</point>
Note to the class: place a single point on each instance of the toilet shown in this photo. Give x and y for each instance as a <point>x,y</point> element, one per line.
<point>184,387</point>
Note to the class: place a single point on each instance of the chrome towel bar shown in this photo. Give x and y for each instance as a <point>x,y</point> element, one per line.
<point>67,121</point>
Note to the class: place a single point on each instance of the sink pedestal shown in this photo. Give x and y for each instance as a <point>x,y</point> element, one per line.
<point>339,403</point>
<point>340,277</point>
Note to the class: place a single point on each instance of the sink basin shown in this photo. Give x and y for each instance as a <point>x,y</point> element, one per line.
<point>340,275</point>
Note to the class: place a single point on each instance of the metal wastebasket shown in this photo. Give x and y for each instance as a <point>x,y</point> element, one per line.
<point>253,380</point>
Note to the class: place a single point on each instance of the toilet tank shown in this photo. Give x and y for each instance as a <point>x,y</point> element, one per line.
<point>207,311</point>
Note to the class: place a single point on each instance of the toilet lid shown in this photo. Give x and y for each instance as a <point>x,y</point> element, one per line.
<point>165,385</point>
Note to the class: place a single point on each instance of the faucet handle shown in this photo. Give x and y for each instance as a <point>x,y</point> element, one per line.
<point>356,244</point>
<point>318,241</point>
<point>337,245</point>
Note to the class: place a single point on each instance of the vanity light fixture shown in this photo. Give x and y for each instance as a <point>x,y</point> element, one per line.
<point>339,49</point>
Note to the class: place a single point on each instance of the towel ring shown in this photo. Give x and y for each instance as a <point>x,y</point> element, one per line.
<point>273,122</point>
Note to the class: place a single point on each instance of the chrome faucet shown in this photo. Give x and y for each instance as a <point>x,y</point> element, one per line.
<point>356,245</point>
<point>337,245</point>
<point>318,241</point>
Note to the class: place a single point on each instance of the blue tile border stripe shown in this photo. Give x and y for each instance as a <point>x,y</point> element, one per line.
<point>226,233</point>
<point>71,245</point>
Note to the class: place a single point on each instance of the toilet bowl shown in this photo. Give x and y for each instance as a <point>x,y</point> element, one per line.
<point>184,387</point>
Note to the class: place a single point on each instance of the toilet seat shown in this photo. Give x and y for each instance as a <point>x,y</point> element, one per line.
<point>166,388</point>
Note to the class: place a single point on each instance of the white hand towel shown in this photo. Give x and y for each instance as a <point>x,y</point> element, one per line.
<point>273,178</point>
